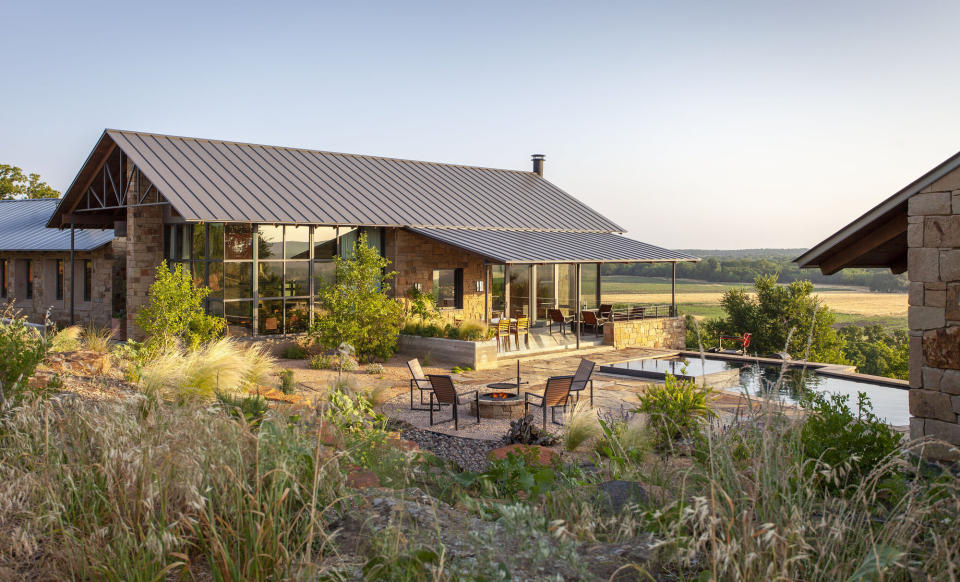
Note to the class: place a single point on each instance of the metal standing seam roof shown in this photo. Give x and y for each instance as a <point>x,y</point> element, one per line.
<point>23,228</point>
<point>513,246</point>
<point>212,180</point>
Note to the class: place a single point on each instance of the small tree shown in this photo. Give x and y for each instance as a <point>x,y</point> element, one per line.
<point>773,312</point>
<point>21,349</point>
<point>175,313</point>
<point>357,308</point>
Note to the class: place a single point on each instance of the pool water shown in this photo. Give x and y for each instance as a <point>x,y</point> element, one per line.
<point>889,403</point>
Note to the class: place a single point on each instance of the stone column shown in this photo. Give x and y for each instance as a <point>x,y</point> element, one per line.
<point>933,258</point>
<point>144,252</point>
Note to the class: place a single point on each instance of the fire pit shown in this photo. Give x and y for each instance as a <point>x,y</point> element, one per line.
<point>499,405</point>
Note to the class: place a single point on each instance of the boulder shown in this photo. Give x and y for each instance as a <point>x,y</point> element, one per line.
<point>619,494</point>
<point>80,363</point>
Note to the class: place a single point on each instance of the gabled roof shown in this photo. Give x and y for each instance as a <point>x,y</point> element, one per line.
<point>22,228</point>
<point>879,237</point>
<point>518,246</point>
<point>213,180</point>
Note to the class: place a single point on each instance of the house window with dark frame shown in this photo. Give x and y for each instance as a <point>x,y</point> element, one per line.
<point>3,278</point>
<point>59,279</point>
<point>28,272</point>
<point>448,288</point>
<point>87,279</point>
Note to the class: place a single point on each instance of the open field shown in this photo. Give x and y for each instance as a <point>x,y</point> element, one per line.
<point>702,300</point>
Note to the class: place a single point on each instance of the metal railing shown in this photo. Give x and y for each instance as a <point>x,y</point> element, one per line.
<point>632,311</point>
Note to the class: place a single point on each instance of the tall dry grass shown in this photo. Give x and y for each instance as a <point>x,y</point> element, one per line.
<point>197,375</point>
<point>580,426</point>
<point>140,490</point>
<point>96,339</point>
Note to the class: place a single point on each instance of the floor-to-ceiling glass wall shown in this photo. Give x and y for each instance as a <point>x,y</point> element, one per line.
<point>546,290</point>
<point>519,276</point>
<point>263,278</point>
<point>590,286</point>
<point>498,298</point>
<point>567,288</point>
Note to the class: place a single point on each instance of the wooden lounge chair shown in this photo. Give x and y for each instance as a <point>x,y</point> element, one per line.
<point>590,319</point>
<point>582,378</point>
<point>503,331</point>
<point>605,310</point>
<point>418,381</point>
<point>445,393</point>
<point>521,328</point>
<point>555,395</point>
<point>556,317</point>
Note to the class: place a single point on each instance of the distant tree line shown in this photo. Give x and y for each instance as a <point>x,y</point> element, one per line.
<point>746,270</point>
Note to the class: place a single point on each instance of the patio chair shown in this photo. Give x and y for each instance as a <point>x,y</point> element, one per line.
<point>590,319</point>
<point>445,393</point>
<point>521,328</point>
<point>605,310</point>
<point>556,317</point>
<point>582,378</point>
<point>555,395</point>
<point>503,331</point>
<point>418,381</point>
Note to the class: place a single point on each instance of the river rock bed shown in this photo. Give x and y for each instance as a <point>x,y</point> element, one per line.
<point>468,454</point>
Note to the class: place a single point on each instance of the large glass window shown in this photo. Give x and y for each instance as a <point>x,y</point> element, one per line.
<point>374,237</point>
<point>519,290</point>
<point>497,288</point>
<point>238,280</point>
<point>589,287</point>
<point>567,288</point>
<point>297,316</point>
<point>215,236</point>
<point>270,317</point>
<point>546,289</point>
<point>297,242</point>
<point>269,242</point>
<point>297,279</point>
<point>324,242</point>
<point>448,288</point>
<point>238,242</point>
<point>270,278</point>
<point>59,279</point>
<point>239,316</point>
<point>348,240</point>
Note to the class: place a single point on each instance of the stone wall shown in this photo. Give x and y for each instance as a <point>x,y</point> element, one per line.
<point>144,255</point>
<point>664,332</point>
<point>414,258</point>
<point>933,257</point>
<point>98,310</point>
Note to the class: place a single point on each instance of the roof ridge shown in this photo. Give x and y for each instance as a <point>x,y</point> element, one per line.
<point>31,200</point>
<point>328,152</point>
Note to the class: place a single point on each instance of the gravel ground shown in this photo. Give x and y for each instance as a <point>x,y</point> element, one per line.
<point>468,454</point>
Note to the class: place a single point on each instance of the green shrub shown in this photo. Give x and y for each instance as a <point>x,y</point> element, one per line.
<point>249,407</point>
<point>677,410</point>
<point>375,369</point>
<point>294,352</point>
<point>358,309</point>
<point>66,340</point>
<point>21,349</point>
<point>321,362</point>
<point>286,381</point>
<point>472,330</point>
<point>175,312</point>
<point>837,436</point>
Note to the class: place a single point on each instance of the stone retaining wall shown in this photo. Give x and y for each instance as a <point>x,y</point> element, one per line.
<point>664,332</point>
<point>477,355</point>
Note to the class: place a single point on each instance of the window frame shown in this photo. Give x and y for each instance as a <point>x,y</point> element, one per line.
<point>457,288</point>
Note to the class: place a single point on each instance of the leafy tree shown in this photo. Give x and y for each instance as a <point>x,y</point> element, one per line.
<point>14,185</point>
<point>875,351</point>
<point>357,309</point>
<point>773,311</point>
<point>21,350</point>
<point>175,313</point>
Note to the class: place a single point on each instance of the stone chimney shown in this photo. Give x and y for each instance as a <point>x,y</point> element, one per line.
<point>538,160</point>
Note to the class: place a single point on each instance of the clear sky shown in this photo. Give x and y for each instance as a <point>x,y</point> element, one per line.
<point>691,124</point>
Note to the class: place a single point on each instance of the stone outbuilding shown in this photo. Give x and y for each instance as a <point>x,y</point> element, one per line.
<point>38,276</point>
<point>917,230</point>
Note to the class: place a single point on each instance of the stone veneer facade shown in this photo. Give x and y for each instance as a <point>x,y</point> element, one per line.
<point>664,332</point>
<point>99,310</point>
<point>933,258</point>
<point>414,257</point>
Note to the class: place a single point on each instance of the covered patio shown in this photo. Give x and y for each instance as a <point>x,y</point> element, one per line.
<point>536,274</point>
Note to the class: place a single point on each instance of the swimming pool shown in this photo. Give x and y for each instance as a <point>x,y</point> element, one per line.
<point>889,403</point>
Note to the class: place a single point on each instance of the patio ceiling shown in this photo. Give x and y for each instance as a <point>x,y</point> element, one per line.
<point>524,246</point>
